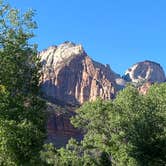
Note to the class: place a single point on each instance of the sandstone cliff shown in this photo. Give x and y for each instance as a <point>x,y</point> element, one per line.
<point>146,71</point>
<point>70,76</point>
<point>59,128</point>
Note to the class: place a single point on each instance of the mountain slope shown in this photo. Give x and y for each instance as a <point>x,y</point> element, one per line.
<point>71,77</point>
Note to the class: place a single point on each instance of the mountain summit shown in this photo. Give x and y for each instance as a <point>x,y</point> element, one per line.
<point>148,71</point>
<point>71,77</point>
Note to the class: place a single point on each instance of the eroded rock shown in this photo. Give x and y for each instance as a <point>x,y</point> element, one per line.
<point>70,76</point>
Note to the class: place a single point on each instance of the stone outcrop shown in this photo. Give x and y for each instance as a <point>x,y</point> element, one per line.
<point>71,77</point>
<point>146,71</point>
<point>59,128</point>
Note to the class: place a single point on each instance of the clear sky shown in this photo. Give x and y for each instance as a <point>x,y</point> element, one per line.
<point>115,32</point>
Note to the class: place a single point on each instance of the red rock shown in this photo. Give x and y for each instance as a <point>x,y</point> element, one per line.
<point>70,76</point>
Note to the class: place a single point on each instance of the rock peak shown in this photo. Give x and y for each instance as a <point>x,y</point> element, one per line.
<point>57,55</point>
<point>67,44</point>
<point>71,76</point>
<point>150,63</point>
<point>147,71</point>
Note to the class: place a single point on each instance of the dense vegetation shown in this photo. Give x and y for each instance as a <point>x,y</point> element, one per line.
<point>22,119</point>
<point>129,131</point>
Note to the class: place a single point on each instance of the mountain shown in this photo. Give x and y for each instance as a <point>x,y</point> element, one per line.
<point>147,71</point>
<point>71,77</point>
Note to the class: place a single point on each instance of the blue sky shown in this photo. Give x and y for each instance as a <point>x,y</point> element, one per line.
<point>115,32</point>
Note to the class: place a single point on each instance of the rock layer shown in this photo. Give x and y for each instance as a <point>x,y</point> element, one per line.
<point>71,77</point>
<point>59,128</point>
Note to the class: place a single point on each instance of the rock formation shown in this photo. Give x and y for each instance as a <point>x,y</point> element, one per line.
<point>59,128</point>
<point>146,71</point>
<point>71,77</point>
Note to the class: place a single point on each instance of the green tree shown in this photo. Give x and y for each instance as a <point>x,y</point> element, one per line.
<point>22,116</point>
<point>144,126</point>
<point>18,60</point>
<point>92,118</point>
<point>129,131</point>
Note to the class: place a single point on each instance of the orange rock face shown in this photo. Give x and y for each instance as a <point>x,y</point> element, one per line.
<point>71,77</point>
<point>59,128</point>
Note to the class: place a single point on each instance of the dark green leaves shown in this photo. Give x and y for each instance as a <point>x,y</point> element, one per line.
<point>129,131</point>
<point>22,116</point>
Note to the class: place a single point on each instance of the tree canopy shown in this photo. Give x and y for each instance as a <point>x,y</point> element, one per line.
<point>131,130</point>
<point>22,117</point>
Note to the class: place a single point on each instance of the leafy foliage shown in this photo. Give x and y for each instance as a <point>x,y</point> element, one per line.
<point>18,63</point>
<point>22,117</point>
<point>128,131</point>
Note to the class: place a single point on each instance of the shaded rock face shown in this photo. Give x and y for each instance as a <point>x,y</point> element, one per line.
<point>71,77</point>
<point>59,128</point>
<point>147,71</point>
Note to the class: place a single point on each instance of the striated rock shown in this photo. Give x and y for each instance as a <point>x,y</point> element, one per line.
<point>71,77</point>
<point>59,128</point>
<point>146,71</point>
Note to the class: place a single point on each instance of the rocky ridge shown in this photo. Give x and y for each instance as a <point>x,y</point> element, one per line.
<point>71,77</point>
<point>147,71</point>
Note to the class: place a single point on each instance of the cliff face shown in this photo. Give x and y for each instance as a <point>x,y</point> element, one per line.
<point>59,128</point>
<point>71,77</point>
<point>147,71</point>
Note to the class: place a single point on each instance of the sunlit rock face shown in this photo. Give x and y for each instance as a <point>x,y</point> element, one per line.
<point>71,77</point>
<point>146,71</point>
